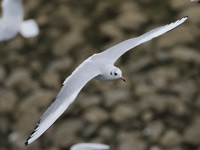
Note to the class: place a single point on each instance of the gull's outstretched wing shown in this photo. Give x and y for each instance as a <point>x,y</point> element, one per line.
<point>90,146</point>
<point>71,87</point>
<point>12,8</point>
<point>113,53</point>
<point>29,28</point>
<point>7,33</point>
<point>12,16</point>
<point>195,1</point>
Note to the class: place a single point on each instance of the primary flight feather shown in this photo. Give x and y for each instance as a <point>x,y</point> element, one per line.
<point>99,66</point>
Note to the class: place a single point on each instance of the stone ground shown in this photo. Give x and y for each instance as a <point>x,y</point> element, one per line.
<point>158,108</point>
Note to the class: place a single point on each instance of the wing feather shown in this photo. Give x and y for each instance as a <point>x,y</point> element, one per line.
<point>12,16</point>
<point>29,28</point>
<point>71,87</point>
<point>113,53</point>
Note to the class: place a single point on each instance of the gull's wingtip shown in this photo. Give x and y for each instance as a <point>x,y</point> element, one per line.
<point>184,18</point>
<point>26,143</point>
<point>180,21</point>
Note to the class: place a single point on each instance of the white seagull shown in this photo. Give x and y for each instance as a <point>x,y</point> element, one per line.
<point>12,21</point>
<point>99,66</point>
<point>195,1</point>
<point>90,146</point>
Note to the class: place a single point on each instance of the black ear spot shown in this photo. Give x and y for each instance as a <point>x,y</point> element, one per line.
<point>115,74</point>
<point>110,73</point>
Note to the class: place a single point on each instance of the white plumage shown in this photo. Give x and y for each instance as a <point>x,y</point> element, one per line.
<point>195,1</point>
<point>90,146</point>
<point>99,66</point>
<point>12,21</point>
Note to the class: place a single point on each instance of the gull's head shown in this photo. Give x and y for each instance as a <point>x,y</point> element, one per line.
<point>116,73</point>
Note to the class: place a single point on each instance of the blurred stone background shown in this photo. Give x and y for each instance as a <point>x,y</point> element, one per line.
<point>158,108</point>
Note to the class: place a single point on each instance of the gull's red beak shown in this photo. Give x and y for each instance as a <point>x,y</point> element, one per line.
<point>122,78</point>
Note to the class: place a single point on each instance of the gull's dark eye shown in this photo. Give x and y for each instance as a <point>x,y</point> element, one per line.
<point>110,73</point>
<point>115,74</point>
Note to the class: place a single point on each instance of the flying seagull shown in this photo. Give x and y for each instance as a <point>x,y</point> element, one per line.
<point>12,21</point>
<point>90,146</point>
<point>195,1</point>
<point>98,66</point>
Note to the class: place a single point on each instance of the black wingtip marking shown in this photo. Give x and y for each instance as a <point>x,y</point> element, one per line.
<point>32,133</point>
<point>36,126</point>
<point>185,17</point>
<point>26,143</point>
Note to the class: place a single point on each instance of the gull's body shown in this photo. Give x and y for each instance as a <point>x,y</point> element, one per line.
<point>99,66</point>
<point>12,21</point>
<point>90,146</point>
